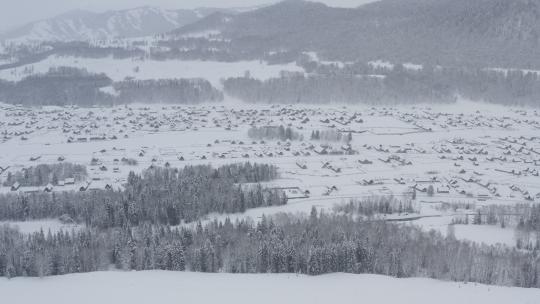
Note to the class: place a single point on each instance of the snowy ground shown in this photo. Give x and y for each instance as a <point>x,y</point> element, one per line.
<point>487,234</point>
<point>179,287</point>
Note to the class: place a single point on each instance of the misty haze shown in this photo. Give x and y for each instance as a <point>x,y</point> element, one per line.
<point>251,151</point>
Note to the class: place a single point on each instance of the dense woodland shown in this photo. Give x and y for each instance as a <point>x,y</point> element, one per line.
<point>314,245</point>
<point>299,88</point>
<point>59,86</point>
<point>157,196</point>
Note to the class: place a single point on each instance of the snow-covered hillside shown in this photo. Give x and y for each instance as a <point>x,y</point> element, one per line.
<point>85,25</point>
<point>185,287</point>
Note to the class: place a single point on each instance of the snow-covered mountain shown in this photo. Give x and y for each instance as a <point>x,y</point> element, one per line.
<point>86,25</point>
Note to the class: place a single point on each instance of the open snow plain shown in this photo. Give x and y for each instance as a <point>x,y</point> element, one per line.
<point>187,287</point>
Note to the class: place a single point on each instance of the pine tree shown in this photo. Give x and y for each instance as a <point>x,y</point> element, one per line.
<point>178,258</point>
<point>263,257</point>
<point>313,214</point>
<point>313,263</point>
<point>477,218</point>
<point>430,190</point>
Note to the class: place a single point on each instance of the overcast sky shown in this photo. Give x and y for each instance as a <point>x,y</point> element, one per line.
<point>17,12</point>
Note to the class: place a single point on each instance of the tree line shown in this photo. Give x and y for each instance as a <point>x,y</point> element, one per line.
<point>376,205</point>
<point>315,244</point>
<point>72,86</point>
<point>59,86</point>
<point>273,133</point>
<point>331,135</point>
<point>361,82</point>
<point>296,88</point>
<point>179,91</point>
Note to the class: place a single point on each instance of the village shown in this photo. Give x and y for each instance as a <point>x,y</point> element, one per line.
<point>473,156</point>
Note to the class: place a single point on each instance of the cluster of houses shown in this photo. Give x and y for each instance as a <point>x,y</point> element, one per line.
<point>479,168</point>
<point>47,188</point>
<point>101,124</point>
<point>68,184</point>
<point>429,120</point>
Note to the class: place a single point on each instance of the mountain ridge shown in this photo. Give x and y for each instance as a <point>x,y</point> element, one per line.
<point>84,25</point>
<point>425,31</point>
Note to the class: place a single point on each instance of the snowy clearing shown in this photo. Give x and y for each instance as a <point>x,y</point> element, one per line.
<point>52,225</point>
<point>119,69</point>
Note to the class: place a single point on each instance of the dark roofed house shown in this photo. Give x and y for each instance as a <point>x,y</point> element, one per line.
<point>49,188</point>
<point>84,187</point>
<point>15,186</point>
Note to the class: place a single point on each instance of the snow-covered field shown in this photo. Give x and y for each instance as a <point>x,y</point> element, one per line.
<point>119,69</point>
<point>486,234</point>
<point>184,287</point>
